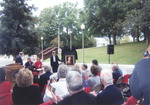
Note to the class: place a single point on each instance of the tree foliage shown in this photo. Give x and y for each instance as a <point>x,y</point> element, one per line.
<point>65,18</point>
<point>117,17</point>
<point>16,33</point>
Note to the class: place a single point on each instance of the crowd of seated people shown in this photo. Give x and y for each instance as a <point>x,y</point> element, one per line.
<point>68,86</point>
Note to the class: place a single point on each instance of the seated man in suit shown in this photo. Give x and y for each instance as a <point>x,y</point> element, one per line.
<point>77,94</point>
<point>116,73</point>
<point>29,64</point>
<point>111,95</point>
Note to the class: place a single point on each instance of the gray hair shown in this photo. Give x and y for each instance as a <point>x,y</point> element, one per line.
<point>106,75</point>
<point>115,66</point>
<point>62,71</point>
<point>29,58</point>
<point>76,69</point>
<point>24,78</point>
<point>47,68</point>
<point>74,81</point>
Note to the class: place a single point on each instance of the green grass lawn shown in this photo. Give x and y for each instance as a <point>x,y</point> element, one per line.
<point>128,53</point>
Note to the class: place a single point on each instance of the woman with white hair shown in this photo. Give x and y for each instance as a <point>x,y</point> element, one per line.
<point>24,93</point>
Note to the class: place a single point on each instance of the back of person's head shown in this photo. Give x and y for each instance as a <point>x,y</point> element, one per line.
<point>47,68</point>
<point>2,75</point>
<point>85,66</point>
<point>115,66</point>
<point>24,78</point>
<point>95,62</point>
<point>62,71</point>
<point>94,70</point>
<point>77,65</point>
<point>106,76</point>
<point>29,58</point>
<point>76,69</point>
<point>74,81</point>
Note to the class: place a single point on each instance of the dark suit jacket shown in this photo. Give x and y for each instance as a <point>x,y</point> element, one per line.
<point>29,65</point>
<point>111,95</point>
<point>18,59</point>
<point>116,75</point>
<point>52,61</point>
<point>80,98</point>
<point>43,80</point>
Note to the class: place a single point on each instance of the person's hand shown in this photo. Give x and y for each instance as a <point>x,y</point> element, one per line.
<point>86,77</point>
<point>93,93</point>
<point>59,98</point>
<point>53,80</point>
<point>53,98</point>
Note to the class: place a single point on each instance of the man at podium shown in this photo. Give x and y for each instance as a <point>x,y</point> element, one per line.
<point>19,58</point>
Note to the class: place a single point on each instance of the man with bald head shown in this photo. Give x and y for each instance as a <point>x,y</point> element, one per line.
<point>111,95</point>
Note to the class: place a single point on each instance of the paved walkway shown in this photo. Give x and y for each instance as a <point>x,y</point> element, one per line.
<point>126,69</point>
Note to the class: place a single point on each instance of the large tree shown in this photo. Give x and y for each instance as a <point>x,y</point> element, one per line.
<point>16,32</point>
<point>66,18</point>
<point>104,17</point>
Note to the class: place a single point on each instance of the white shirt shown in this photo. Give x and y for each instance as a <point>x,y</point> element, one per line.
<point>61,89</point>
<point>54,59</point>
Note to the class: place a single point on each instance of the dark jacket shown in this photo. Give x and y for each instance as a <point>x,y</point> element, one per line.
<point>80,98</point>
<point>26,95</point>
<point>140,80</point>
<point>29,65</point>
<point>18,59</point>
<point>43,80</point>
<point>52,61</point>
<point>116,75</point>
<point>54,64</point>
<point>111,95</point>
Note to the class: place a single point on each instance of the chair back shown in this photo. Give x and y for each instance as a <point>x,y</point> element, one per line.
<point>97,88</point>
<point>119,81</point>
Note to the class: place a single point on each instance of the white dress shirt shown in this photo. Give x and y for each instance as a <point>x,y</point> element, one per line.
<point>54,59</point>
<point>61,89</point>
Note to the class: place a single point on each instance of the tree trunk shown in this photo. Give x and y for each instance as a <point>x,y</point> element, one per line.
<point>138,34</point>
<point>114,39</point>
<point>133,38</point>
<point>109,36</point>
<point>144,36</point>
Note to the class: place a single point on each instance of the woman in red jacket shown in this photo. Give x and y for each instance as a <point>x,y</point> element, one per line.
<point>5,87</point>
<point>38,65</point>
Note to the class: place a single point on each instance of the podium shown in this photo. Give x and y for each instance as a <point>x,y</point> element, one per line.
<point>10,69</point>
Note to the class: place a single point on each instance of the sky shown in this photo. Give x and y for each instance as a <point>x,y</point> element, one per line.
<point>41,4</point>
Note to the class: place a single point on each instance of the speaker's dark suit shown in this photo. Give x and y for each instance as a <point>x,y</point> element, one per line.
<point>18,59</point>
<point>111,95</point>
<point>54,64</point>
